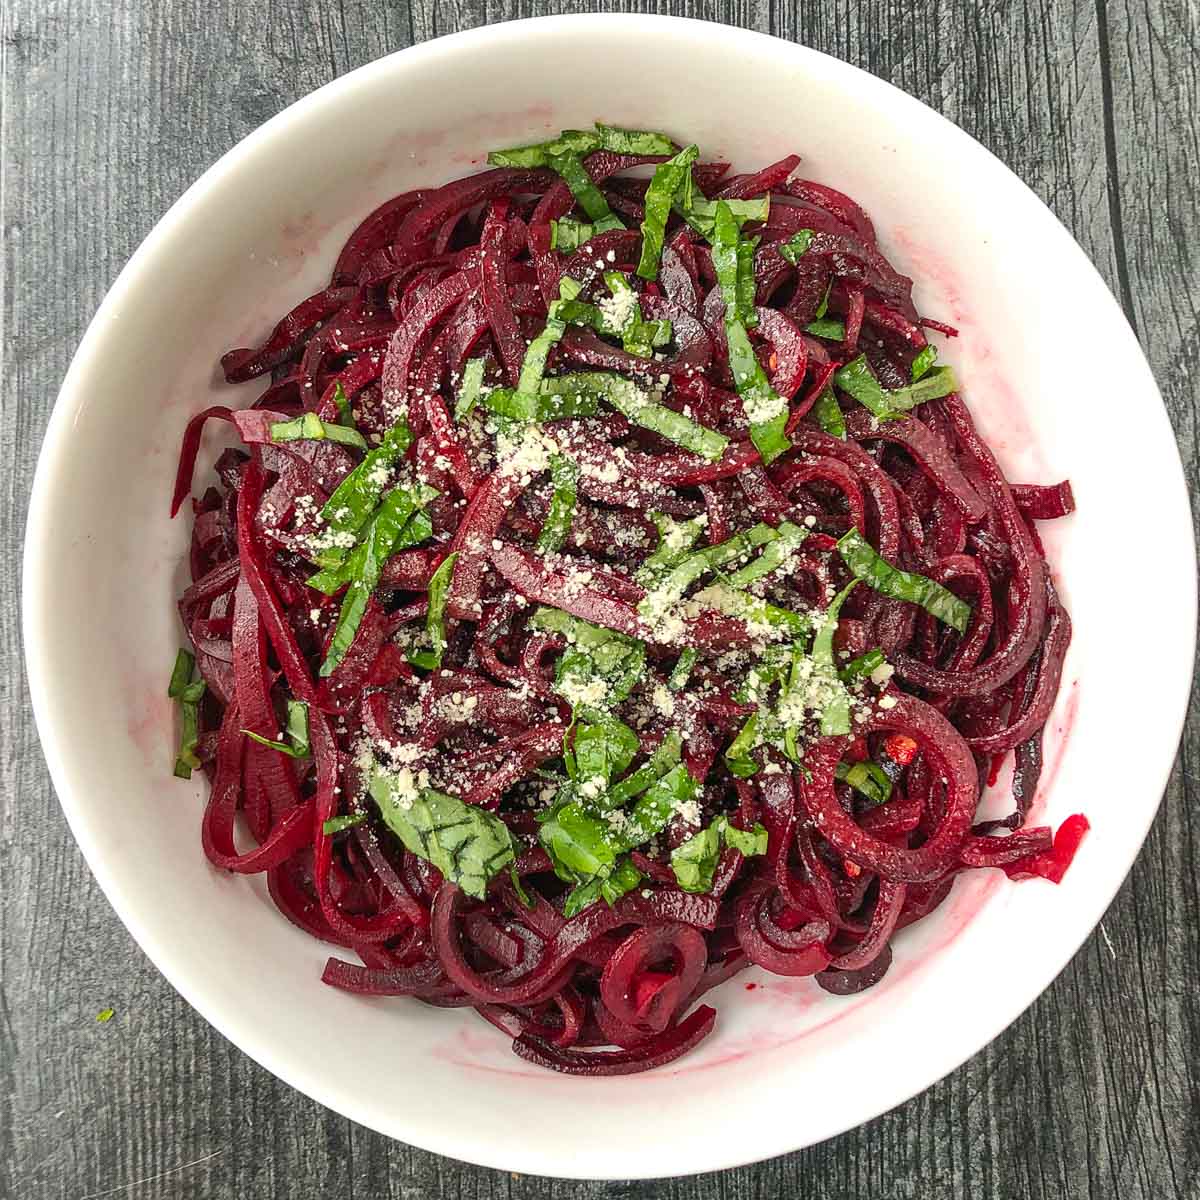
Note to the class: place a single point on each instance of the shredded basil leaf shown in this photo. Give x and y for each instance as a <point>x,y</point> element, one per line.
<point>833,331</point>
<point>676,538</point>
<point>589,197</point>
<point>668,181</point>
<point>435,616</point>
<point>773,556</point>
<point>470,388</point>
<point>701,214</point>
<point>694,863</point>
<point>862,666</point>
<point>189,693</point>
<point>393,527</point>
<point>342,403</point>
<point>868,779</point>
<point>856,379</point>
<point>829,414</point>
<point>358,495</point>
<point>872,568</point>
<point>922,364</point>
<point>466,843</point>
<point>564,475</point>
<point>682,671</point>
<point>310,427</point>
<point>338,824</point>
<point>796,245</point>
<point>296,730</point>
<point>835,716</point>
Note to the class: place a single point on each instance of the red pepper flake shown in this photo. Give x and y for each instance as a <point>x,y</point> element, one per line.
<point>751,986</point>
<point>852,869</point>
<point>773,360</point>
<point>900,749</point>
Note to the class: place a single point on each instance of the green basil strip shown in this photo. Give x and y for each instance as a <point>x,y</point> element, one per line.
<point>389,531</point>
<point>796,246</point>
<point>765,409</point>
<point>466,843</point>
<point>868,565</point>
<point>575,629</point>
<point>547,405</point>
<point>525,398</point>
<point>189,736</point>
<point>676,539</point>
<point>623,878</point>
<point>668,180</point>
<point>660,762</point>
<point>922,364</point>
<point>181,674</point>
<point>189,693</point>
<point>862,666</point>
<point>755,612</point>
<point>622,315</point>
<point>701,214</point>
<point>567,234</point>
<point>357,496</point>
<point>403,508</point>
<point>638,142</point>
<point>470,388</point>
<point>682,670</point>
<point>745,282</point>
<point>435,616</point>
<point>656,805</point>
<point>833,331</point>
<point>564,474</point>
<point>296,745</point>
<point>699,563</point>
<point>310,427</point>
<point>835,716</point>
<point>582,141</point>
<point>695,861</point>
<point>856,380</point>
<point>829,415</point>
<point>338,824</point>
<point>774,555</point>
<point>541,154</point>
<point>868,779</point>
<point>342,403</point>
<point>603,748</point>
<point>823,307</point>
<point>589,197</point>
<point>633,404</point>
<point>737,753</point>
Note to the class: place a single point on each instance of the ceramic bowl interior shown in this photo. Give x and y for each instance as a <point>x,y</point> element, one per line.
<point>1045,354</point>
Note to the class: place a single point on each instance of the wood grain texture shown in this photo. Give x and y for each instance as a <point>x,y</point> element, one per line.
<point>109,109</point>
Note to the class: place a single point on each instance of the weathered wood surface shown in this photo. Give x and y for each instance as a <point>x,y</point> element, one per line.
<point>110,108</point>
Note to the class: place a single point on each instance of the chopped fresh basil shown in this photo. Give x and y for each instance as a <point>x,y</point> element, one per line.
<point>468,844</point>
<point>676,538</point>
<point>669,179</point>
<point>357,496</point>
<point>569,234</point>
<point>835,715</point>
<point>342,403</point>
<point>765,409</point>
<point>589,197</point>
<point>188,692</point>
<point>310,427</point>
<point>695,861</point>
<point>773,556</point>
<point>829,414</point>
<point>470,388</point>
<point>796,245</point>
<point>737,753</point>
<point>823,307</point>
<point>862,666</point>
<point>701,214</point>
<point>856,379</point>
<point>623,878</point>
<point>682,670</point>
<point>868,779</point>
<point>338,824</point>
<point>435,616</point>
<point>825,327</point>
<point>872,568</point>
<point>296,745</point>
<point>564,475</point>
<point>394,526</point>
<point>580,141</point>
<point>922,364</point>
<point>636,406</point>
<point>603,748</point>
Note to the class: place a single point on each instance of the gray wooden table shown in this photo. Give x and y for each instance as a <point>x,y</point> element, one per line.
<point>110,108</point>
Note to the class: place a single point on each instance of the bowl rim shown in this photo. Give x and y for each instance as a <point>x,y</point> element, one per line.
<point>450,1141</point>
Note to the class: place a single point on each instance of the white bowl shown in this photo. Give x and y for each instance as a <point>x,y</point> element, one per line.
<point>1052,373</point>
